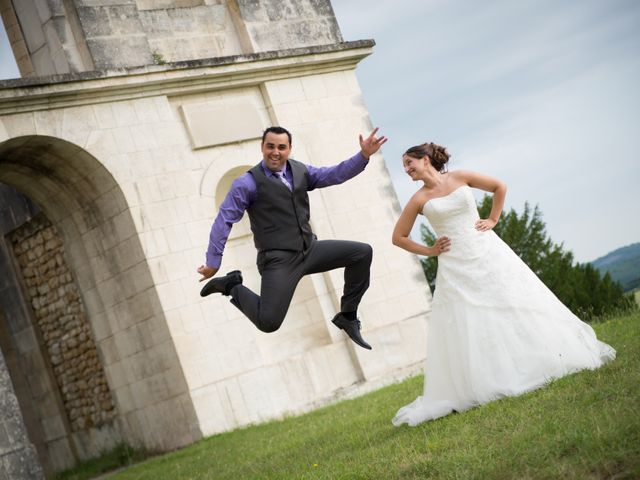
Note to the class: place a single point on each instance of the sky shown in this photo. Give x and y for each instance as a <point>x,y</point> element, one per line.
<point>543,94</point>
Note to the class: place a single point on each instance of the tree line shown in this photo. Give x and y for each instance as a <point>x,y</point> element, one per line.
<point>581,287</point>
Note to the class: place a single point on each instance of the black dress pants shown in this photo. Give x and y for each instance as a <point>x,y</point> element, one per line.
<point>281,270</point>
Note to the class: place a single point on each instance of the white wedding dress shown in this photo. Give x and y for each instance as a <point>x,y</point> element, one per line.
<point>495,329</point>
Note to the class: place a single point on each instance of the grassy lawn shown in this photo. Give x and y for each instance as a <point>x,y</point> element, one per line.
<point>585,426</point>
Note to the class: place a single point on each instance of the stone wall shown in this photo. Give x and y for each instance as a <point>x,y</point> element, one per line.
<point>284,24</point>
<point>81,35</point>
<point>16,38</point>
<point>189,33</point>
<point>63,324</point>
<point>18,458</point>
<point>128,166</point>
<point>33,388</point>
<point>45,36</point>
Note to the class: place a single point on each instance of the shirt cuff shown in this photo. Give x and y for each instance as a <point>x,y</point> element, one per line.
<point>364,159</point>
<point>213,260</point>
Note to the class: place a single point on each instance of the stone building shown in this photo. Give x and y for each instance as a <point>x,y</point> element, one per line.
<point>130,121</point>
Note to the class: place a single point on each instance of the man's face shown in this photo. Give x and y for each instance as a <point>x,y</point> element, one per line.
<point>275,150</point>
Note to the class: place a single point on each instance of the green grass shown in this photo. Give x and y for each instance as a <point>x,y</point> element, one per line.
<point>120,456</point>
<point>585,426</point>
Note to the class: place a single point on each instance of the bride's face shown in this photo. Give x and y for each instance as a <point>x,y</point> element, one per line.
<point>415,167</point>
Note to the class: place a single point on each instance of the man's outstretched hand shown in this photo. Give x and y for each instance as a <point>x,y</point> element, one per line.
<point>206,272</point>
<point>371,144</point>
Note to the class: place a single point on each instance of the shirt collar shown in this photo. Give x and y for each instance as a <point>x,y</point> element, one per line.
<point>268,172</point>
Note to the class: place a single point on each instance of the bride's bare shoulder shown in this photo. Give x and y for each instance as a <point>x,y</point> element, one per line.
<point>418,199</point>
<point>458,175</point>
<point>419,195</point>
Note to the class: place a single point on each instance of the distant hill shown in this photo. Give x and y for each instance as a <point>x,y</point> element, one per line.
<point>623,265</point>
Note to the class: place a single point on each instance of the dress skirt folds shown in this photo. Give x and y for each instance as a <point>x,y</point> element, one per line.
<point>495,329</point>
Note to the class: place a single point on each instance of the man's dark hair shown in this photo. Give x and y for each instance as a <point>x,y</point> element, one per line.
<point>277,131</point>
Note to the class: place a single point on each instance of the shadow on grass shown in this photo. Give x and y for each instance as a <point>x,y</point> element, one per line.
<point>119,457</point>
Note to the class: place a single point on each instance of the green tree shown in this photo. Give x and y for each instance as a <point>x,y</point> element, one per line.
<point>579,286</point>
<point>526,234</point>
<point>429,264</point>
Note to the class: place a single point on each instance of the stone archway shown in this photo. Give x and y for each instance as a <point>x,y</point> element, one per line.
<point>108,306</point>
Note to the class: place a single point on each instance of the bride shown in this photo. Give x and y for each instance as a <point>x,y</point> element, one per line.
<point>495,329</point>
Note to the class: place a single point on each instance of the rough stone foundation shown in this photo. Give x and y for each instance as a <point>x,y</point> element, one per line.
<point>63,324</point>
<point>18,458</point>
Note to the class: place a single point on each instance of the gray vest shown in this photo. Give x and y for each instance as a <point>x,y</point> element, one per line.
<point>280,218</point>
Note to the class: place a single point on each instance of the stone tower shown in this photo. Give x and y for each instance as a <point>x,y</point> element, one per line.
<point>116,148</point>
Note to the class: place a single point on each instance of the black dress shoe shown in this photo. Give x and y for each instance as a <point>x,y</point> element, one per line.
<point>222,285</point>
<point>352,327</point>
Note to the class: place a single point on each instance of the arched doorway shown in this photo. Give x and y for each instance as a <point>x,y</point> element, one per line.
<point>86,342</point>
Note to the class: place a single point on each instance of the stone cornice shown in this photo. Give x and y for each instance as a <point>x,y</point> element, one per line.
<point>58,91</point>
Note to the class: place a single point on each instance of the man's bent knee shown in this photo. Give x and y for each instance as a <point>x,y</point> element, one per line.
<point>270,325</point>
<point>366,251</point>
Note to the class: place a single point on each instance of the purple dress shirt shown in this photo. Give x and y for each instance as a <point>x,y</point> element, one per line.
<point>243,193</point>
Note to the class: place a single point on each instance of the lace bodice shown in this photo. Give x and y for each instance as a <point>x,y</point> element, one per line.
<point>455,216</point>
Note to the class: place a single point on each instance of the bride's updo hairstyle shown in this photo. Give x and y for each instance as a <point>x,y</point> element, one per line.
<point>437,155</point>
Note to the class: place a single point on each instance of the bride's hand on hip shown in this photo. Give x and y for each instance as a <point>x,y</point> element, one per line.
<point>443,244</point>
<point>485,224</point>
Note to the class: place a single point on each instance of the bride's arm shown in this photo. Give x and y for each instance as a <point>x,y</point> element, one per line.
<point>488,184</point>
<point>400,237</point>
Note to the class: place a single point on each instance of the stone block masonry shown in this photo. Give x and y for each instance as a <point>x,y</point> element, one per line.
<point>129,166</point>
<point>63,325</point>
<point>136,118</point>
<point>17,456</point>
